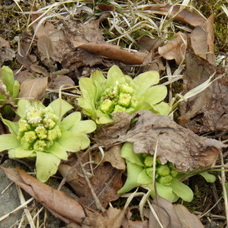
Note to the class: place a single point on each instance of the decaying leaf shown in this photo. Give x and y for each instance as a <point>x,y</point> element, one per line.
<point>202,40</point>
<point>175,49</point>
<point>56,201</point>
<point>6,53</point>
<point>207,111</point>
<point>105,182</point>
<point>179,13</point>
<point>172,216</point>
<point>59,81</point>
<point>174,143</point>
<point>33,89</point>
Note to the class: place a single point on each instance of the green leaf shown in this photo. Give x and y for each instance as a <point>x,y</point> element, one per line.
<point>114,75</point>
<point>162,108</point>
<point>21,153</point>
<point>60,107</point>
<point>99,81</point>
<point>144,81</point>
<point>73,142</point>
<point>165,192</point>
<point>16,88</point>
<point>13,126</point>
<point>22,107</point>
<point>182,190</point>
<point>8,79</point>
<point>208,177</point>
<point>8,141</point>
<point>71,120</point>
<point>155,94</point>
<point>133,172</point>
<point>143,178</point>
<point>128,153</point>
<point>59,151</point>
<point>46,165</point>
<point>84,126</point>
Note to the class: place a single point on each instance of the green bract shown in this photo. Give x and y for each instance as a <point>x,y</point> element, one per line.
<point>101,97</point>
<point>140,173</point>
<point>42,132</point>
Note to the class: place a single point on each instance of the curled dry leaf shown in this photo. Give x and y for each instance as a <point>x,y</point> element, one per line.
<point>175,49</point>
<point>56,201</point>
<point>178,13</point>
<point>174,143</point>
<point>202,40</point>
<point>172,216</point>
<point>33,89</point>
<point>113,52</point>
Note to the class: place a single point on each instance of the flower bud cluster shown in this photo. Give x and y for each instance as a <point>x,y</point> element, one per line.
<point>164,172</point>
<point>118,98</point>
<point>38,130</point>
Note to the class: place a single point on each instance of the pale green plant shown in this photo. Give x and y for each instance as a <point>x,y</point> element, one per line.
<point>42,133</point>
<point>101,97</point>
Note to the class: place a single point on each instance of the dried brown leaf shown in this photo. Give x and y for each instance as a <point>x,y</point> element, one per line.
<point>174,143</point>
<point>172,216</point>
<point>59,81</point>
<point>202,40</point>
<point>113,217</point>
<point>178,13</point>
<point>175,49</point>
<point>208,111</point>
<point>6,53</point>
<point>33,89</point>
<point>105,182</point>
<point>112,51</point>
<point>56,201</point>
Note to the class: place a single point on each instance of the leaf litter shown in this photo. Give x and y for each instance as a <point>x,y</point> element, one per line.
<point>80,47</point>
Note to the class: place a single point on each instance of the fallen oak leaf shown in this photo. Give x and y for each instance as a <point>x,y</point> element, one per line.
<point>54,200</point>
<point>175,144</point>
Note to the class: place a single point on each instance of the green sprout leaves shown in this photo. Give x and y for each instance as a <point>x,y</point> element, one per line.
<point>140,173</point>
<point>102,97</point>
<point>9,89</point>
<point>43,133</point>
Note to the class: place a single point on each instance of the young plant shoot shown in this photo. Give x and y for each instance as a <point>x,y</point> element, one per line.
<point>44,134</point>
<point>101,97</point>
<point>140,173</point>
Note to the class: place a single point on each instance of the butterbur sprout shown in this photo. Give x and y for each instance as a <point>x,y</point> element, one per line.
<point>43,133</point>
<point>101,97</point>
<point>140,171</point>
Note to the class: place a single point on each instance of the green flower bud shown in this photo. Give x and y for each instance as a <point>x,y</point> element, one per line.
<point>124,99</point>
<point>149,171</point>
<point>29,137</point>
<point>34,115</point>
<point>165,180</point>
<point>25,145</point>
<point>119,108</point>
<point>163,170</point>
<point>148,162</point>
<point>53,134</point>
<point>40,145</point>
<point>41,132</point>
<point>48,123</point>
<point>134,102</point>
<point>173,172</point>
<point>124,88</point>
<point>107,106</point>
<point>23,125</point>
